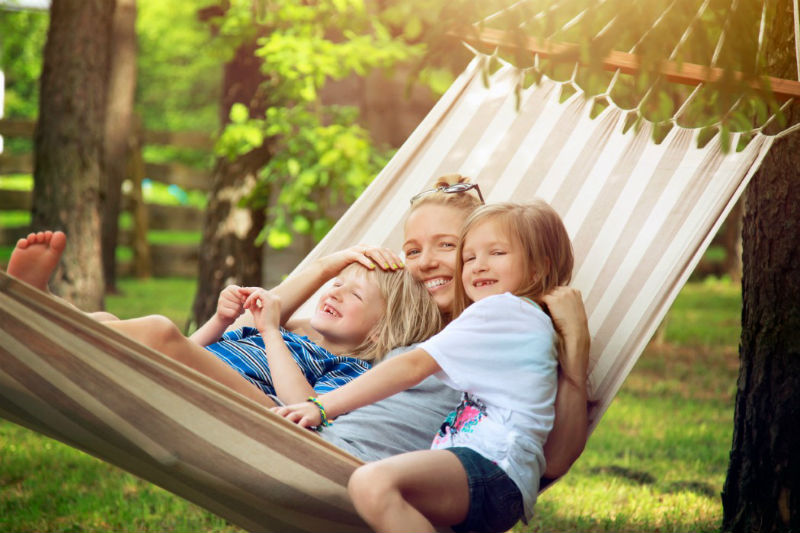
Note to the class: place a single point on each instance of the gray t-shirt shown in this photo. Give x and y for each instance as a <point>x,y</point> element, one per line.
<point>401,423</point>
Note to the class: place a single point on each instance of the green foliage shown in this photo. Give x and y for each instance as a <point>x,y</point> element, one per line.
<point>321,158</point>
<point>723,35</point>
<point>22,38</point>
<point>179,72</point>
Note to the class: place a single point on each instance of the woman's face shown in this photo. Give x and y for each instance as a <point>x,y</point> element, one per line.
<point>431,238</point>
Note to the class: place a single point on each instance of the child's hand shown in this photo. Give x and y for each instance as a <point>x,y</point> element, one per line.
<point>265,307</point>
<point>230,304</point>
<point>304,414</point>
<point>368,256</point>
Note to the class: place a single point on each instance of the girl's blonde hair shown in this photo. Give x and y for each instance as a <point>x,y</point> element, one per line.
<point>410,314</point>
<point>463,201</point>
<point>547,250</point>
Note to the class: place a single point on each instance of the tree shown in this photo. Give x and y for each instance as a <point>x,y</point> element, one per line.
<point>118,130</point>
<point>69,142</point>
<point>762,489</point>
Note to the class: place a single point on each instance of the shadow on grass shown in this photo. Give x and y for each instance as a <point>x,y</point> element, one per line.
<point>698,487</point>
<point>637,476</point>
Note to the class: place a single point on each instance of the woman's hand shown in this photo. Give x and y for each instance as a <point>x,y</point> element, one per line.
<point>368,256</point>
<point>304,414</point>
<point>265,307</point>
<point>566,309</point>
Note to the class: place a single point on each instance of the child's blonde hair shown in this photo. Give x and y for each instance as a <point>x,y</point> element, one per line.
<point>465,201</point>
<point>547,250</point>
<point>410,314</point>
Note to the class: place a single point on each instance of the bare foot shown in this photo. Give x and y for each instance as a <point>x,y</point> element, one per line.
<point>35,257</point>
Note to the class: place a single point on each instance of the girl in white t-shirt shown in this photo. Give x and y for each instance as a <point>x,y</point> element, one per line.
<point>482,473</point>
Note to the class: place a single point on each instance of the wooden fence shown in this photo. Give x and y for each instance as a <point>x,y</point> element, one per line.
<point>162,259</point>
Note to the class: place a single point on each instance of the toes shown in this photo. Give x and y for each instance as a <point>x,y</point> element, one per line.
<point>58,241</point>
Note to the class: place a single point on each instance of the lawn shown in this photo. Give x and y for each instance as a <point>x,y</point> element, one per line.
<point>655,463</point>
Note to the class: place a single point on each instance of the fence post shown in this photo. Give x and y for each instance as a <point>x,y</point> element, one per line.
<point>142,263</point>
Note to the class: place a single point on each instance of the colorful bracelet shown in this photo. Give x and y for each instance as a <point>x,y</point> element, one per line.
<point>323,415</point>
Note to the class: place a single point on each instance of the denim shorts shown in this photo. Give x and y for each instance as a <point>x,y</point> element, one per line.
<point>495,502</point>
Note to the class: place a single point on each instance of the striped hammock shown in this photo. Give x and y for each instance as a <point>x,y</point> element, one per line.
<point>640,215</point>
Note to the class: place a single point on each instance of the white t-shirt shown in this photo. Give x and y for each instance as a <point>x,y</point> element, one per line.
<point>501,352</point>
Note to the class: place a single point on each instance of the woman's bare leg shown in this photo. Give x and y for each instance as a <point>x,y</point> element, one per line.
<point>413,491</point>
<point>159,333</point>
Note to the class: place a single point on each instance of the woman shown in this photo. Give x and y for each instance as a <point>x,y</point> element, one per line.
<point>408,420</point>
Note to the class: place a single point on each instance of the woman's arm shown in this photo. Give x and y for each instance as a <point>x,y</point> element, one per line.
<point>570,428</point>
<point>296,289</point>
<point>384,380</point>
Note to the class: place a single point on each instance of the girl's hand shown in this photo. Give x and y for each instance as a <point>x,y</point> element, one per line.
<point>230,304</point>
<point>265,307</point>
<point>304,414</point>
<point>368,256</point>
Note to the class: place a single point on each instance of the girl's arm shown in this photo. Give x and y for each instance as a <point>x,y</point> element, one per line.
<point>229,307</point>
<point>570,428</point>
<point>390,377</point>
<point>288,379</point>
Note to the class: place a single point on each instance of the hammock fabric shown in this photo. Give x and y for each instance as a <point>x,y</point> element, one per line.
<point>640,215</point>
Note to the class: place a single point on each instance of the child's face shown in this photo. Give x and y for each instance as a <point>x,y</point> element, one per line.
<point>493,263</point>
<point>348,310</point>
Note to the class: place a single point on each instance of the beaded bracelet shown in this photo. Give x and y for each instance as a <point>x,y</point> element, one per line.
<point>323,415</point>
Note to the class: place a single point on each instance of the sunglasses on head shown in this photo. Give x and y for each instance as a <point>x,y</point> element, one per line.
<point>455,188</point>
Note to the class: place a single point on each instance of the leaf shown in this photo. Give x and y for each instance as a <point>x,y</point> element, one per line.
<point>239,113</point>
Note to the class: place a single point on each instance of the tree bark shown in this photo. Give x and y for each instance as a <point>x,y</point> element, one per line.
<point>68,143</point>
<point>228,253</point>
<point>118,130</point>
<point>762,489</point>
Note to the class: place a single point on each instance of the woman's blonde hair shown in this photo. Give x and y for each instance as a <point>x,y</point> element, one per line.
<point>540,232</point>
<point>463,201</point>
<point>410,314</point>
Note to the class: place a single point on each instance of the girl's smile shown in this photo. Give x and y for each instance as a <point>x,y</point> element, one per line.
<point>492,261</point>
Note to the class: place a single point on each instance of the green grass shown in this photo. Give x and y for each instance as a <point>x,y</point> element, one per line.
<point>655,463</point>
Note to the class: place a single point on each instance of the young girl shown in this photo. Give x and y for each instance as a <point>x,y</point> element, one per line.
<point>363,315</point>
<point>483,471</point>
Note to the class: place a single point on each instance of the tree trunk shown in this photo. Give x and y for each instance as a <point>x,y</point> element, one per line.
<point>118,129</point>
<point>762,489</point>
<point>68,143</point>
<point>228,253</point>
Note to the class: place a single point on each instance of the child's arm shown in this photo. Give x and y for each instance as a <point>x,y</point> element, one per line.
<point>229,307</point>
<point>384,380</point>
<point>570,429</point>
<point>288,379</point>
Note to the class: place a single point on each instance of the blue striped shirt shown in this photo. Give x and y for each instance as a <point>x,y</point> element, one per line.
<point>243,349</point>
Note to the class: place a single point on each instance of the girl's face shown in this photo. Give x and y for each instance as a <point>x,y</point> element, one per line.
<point>493,262</point>
<point>347,312</point>
<point>431,238</point>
